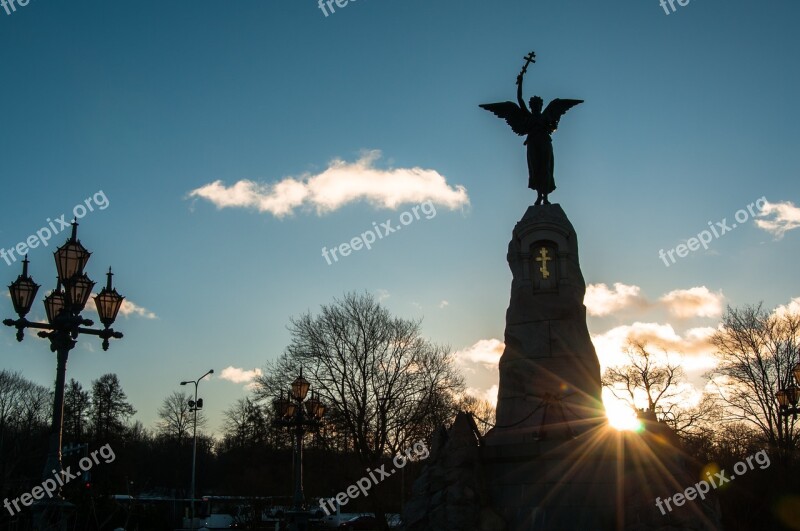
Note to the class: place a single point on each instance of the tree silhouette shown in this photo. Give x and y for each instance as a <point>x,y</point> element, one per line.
<point>77,405</point>
<point>646,376</point>
<point>757,351</point>
<point>110,409</point>
<point>176,419</point>
<point>385,386</point>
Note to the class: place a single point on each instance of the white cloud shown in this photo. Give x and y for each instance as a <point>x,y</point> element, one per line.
<point>485,394</point>
<point>693,302</point>
<point>444,304</point>
<point>491,394</point>
<point>486,352</point>
<point>128,309</point>
<point>692,348</point>
<point>793,308</point>
<point>787,217</point>
<point>600,300</point>
<point>237,375</point>
<point>340,184</point>
<point>382,294</point>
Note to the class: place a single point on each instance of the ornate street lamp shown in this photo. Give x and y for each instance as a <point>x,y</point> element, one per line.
<point>796,372</point>
<point>65,324</point>
<point>782,398</point>
<point>79,289</point>
<point>281,405</point>
<point>787,400</point>
<point>788,397</point>
<point>300,387</point>
<point>22,292</point>
<point>314,407</point>
<point>300,416</point>
<point>55,303</point>
<point>71,257</point>
<point>108,303</point>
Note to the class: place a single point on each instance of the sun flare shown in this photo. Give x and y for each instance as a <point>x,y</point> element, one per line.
<point>621,417</point>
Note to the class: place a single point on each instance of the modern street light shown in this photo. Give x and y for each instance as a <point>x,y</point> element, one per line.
<point>788,397</point>
<point>65,324</point>
<point>194,405</point>
<point>299,416</point>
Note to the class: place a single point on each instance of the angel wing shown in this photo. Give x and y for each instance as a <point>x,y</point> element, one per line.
<point>516,117</point>
<point>556,109</point>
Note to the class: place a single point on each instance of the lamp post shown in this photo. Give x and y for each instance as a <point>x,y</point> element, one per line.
<point>194,405</point>
<point>63,308</point>
<point>299,416</point>
<point>788,397</point>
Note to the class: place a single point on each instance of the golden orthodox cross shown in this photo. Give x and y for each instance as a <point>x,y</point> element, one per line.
<point>543,258</point>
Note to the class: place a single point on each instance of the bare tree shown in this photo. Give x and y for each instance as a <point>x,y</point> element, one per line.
<point>656,384</point>
<point>644,374</point>
<point>35,407</point>
<point>386,387</point>
<point>700,420</point>
<point>12,387</point>
<point>385,382</point>
<point>757,350</point>
<point>175,417</point>
<point>246,423</point>
<point>737,440</point>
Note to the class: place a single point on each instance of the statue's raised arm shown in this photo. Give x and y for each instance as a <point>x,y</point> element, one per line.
<point>530,58</point>
<point>517,116</point>
<point>537,126</point>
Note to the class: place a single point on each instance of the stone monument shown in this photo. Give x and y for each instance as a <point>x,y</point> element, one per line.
<point>551,462</point>
<point>547,465</point>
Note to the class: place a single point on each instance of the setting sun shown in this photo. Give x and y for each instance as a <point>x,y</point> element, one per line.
<point>621,416</point>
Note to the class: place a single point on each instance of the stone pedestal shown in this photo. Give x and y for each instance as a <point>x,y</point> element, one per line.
<point>544,466</point>
<point>549,373</point>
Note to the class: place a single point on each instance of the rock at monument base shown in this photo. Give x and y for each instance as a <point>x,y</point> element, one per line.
<point>451,491</point>
<point>655,466</point>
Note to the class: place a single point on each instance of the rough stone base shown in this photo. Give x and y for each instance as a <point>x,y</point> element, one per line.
<point>601,480</point>
<point>553,484</point>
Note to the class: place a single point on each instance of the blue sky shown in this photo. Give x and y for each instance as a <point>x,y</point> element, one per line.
<point>688,118</point>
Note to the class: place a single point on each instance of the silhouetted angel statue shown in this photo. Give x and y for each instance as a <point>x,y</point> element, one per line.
<point>538,125</point>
